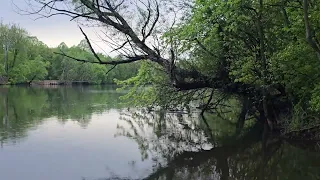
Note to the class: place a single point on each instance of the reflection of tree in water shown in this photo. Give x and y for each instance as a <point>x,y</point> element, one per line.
<point>161,132</point>
<point>19,112</point>
<point>181,147</point>
<point>25,107</point>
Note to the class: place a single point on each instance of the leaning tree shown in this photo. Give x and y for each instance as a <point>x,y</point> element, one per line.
<point>224,34</point>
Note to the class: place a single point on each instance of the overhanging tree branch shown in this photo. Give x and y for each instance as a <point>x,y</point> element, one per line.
<point>108,14</point>
<point>114,66</point>
<point>90,46</point>
<point>125,61</point>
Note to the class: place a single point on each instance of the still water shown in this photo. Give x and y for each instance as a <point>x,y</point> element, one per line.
<point>84,133</point>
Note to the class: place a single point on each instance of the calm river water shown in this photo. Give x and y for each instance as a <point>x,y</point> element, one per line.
<point>84,133</point>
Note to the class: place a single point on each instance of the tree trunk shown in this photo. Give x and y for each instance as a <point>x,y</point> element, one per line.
<point>309,32</point>
<point>242,116</point>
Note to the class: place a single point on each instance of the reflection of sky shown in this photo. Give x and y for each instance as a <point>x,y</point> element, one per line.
<point>67,151</point>
<point>52,31</point>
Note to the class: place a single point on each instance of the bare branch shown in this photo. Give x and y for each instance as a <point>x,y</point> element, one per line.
<point>125,61</point>
<point>117,6</point>
<point>125,51</point>
<point>54,14</point>
<point>208,103</point>
<point>143,30</point>
<point>154,22</point>
<point>120,47</point>
<point>111,69</point>
<point>90,46</point>
<point>77,16</point>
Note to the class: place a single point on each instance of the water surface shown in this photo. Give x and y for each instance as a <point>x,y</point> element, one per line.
<point>75,133</point>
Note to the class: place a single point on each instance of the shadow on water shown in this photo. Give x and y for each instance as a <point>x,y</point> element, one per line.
<point>180,144</point>
<point>184,147</point>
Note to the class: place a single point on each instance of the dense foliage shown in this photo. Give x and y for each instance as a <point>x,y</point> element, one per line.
<point>265,54</point>
<point>263,46</point>
<point>25,59</point>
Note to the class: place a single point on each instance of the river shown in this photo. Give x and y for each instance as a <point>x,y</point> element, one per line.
<point>85,133</point>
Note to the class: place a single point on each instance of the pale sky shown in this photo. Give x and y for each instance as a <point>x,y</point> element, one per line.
<point>52,31</point>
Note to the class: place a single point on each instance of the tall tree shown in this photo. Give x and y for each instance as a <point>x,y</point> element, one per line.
<point>237,48</point>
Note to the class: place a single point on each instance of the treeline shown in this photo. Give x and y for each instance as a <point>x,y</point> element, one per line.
<point>24,58</point>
